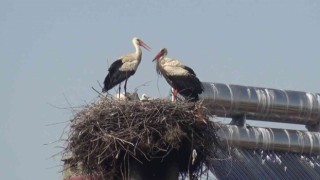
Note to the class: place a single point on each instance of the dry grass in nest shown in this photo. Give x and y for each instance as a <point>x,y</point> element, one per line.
<point>105,134</point>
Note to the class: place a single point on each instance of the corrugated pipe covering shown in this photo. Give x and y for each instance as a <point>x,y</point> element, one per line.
<point>264,104</point>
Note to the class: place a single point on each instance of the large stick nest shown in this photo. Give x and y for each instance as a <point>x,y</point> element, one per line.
<point>106,134</point>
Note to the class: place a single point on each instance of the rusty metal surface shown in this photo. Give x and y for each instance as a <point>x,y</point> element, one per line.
<point>270,139</point>
<point>262,103</point>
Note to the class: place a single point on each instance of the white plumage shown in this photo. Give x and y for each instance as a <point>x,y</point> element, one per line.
<point>144,97</point>
<point>128,97</point>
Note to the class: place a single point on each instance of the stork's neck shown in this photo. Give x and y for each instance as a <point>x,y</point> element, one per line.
<point>162,59</point>
<point>160,63</point>
<point>138,50</point>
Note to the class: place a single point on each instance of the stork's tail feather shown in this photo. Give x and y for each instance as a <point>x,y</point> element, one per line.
<point>193,98</point>
<point>104,90</point>
<point>190,95</point>
<point>107,84</point>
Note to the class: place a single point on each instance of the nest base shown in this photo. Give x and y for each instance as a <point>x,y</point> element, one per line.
<point>156,139</point>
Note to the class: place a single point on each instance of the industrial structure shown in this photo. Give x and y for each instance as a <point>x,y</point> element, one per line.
<point>264,152</point>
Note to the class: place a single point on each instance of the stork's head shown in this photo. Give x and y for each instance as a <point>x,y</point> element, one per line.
<point>139,42</point>
<point>144,97</point>
<point>163,52</point>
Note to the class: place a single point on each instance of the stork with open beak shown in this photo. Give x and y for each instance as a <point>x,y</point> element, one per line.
<point>181,78</point>
<point>124,67</point>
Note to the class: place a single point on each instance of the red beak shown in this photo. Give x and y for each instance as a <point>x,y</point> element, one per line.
<point>145,45</point>
<point>157,56</point>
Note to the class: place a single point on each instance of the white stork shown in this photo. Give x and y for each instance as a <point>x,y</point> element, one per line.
<point>181,78</point>
<point>124,67</point>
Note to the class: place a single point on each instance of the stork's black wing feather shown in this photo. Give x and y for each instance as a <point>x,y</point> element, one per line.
<point>115,66</point>
<point>115,76</point>
<point>188,86</point>
<point>189,70</point>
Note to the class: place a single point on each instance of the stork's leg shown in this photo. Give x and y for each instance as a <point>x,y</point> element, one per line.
<point>174,94</point>
<point>125,87</point>
<point>119,90</point>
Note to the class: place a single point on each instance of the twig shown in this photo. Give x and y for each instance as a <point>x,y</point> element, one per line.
<point>99,84</point>
<point>62,122</point>
<point>100,94</point>
<point>141,85</point>
<point>71,107</point>
<point>122,140</point>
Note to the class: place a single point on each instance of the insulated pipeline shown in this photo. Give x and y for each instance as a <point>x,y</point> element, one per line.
<point>270,139</point>
<point>264,104</point>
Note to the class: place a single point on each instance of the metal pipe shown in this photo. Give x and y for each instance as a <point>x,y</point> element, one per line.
<point>262,103</point>
<point>270,139</point>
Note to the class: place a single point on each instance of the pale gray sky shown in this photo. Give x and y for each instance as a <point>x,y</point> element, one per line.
<point>52,49</point>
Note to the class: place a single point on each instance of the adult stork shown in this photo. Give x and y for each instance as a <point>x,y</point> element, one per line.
<point>181,78</point>
<point>124,67</point>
